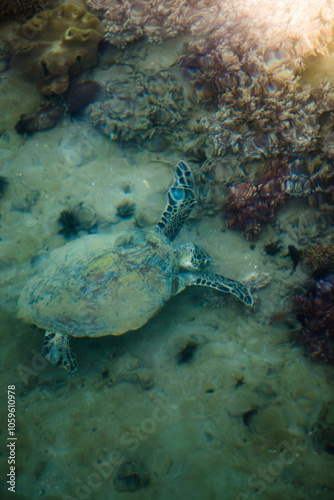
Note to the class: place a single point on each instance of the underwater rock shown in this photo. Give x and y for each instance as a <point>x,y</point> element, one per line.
<point>48,114</point>
<point>131,477</point>
<point>314,308</point>
<point>46,117</point>
<point>57,44</point>
<point>319,260</point>
<point>138,106</point>
<point>251,205</point>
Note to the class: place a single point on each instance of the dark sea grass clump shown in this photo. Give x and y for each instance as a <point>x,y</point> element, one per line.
<point>3,185</point>
<point>126,209</point>
<point>78,96</point>
<point>315,310</point>
<point>250,205</point>
<point>77,221</point>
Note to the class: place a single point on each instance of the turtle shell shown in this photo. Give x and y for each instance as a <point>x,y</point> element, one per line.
<point>101,285</point>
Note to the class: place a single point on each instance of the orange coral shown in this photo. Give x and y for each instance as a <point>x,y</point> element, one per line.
<point>57,44</point>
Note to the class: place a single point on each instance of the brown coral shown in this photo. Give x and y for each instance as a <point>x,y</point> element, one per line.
<point>251,205</point>
<point>57,44</point>
<point>319,260</point>
<point>250,72</point>
<point>303,26</point>
<point>130,20</point>
<point>262,109</point>
<point>245,59</point>
<point>139,105</point>
<point>22,9</point>
<point>314,308</point>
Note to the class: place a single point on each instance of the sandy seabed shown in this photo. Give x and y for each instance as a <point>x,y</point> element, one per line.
<point>242,413</point>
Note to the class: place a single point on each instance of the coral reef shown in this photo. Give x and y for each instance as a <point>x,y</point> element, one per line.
<point>139,105</point>
<point>22,9</point>
<point>319,260</point>
<point>57,44</point>
<point>261,107</point>
<point>251,205</point>
<point>269,123</point>
<point>130,20</point>
<point>315,310</point>
<point>246,59</point>
<point>306,26</point>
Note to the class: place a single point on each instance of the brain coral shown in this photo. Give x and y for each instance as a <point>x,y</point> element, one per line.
<point>138,105</point>
<point>57,44</point>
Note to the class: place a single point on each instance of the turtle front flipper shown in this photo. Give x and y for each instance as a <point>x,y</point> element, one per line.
<point>56,349</point>
<point>218,283</point>
<point>180,201</point>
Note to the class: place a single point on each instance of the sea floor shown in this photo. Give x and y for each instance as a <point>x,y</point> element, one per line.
<point>208,400</point>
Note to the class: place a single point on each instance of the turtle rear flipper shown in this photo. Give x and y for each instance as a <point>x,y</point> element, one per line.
<point>56,349</point>
<point>218,283</point>
<point>180,201</point>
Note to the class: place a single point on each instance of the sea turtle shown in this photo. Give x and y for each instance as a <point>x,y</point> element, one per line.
<point>107,285</point>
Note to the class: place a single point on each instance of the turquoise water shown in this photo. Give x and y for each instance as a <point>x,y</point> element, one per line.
<point>208,400</point>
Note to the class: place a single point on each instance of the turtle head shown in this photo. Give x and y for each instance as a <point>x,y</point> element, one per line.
<point>193,257</point>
